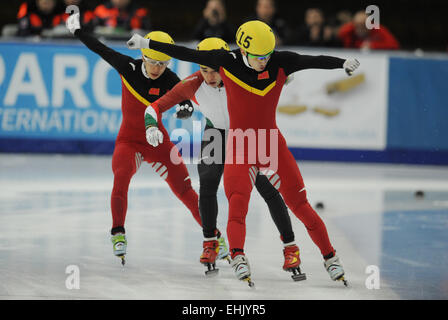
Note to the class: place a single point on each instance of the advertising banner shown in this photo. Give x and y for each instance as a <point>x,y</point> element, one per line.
<point>328,109</point>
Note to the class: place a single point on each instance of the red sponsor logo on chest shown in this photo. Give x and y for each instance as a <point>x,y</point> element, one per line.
<point>263,75</point>
<point>154,91</point>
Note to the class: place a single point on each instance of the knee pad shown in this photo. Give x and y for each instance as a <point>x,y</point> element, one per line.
<point>238,206</point>
<point>295,198</point>
<point>183,189</point>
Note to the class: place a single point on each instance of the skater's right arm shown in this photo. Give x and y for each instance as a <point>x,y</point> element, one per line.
<point>118,61</point>
<point>212,58</point>
<point>183,90</point>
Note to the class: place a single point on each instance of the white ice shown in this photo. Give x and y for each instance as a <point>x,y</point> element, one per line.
<point>55,213</point>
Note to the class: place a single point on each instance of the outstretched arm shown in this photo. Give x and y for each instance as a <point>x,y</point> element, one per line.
<point>183,90</point>
<point>212,58</point>
<point>117,60</point>
<point>181,94</point>
<point>292,62</point>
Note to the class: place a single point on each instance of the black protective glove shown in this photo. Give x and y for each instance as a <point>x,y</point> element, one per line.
<point>184,110</point>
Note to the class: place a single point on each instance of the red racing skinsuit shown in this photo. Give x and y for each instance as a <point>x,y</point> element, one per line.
<point>252,99</point>
<point>212,102</point>
<point>131,147</point>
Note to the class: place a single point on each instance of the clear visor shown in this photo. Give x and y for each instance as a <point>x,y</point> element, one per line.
<point>261,58</point>
<point>156,62</point>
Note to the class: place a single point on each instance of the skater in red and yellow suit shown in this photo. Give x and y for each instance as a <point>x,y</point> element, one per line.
<point>143,81</point>
<point>205,88</point>
<point>253,76</point>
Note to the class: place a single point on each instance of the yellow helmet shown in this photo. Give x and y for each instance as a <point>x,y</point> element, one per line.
<point>255,37</point>
<point>161,37</point>
<point>212,44</point>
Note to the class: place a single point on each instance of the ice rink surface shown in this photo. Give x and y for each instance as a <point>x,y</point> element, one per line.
<point>55,213</point>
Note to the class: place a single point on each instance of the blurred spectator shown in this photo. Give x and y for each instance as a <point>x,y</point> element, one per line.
<point>315,32</point>
<point>86,18</point>
<point>266,11</point>
<point>355,34</point>
<point>36,15</point>
<point>337,20</point>
<point>343,17</point>
<point>214,23</point>
<point>121,16</point>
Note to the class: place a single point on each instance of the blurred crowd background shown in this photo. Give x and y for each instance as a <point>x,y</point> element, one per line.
<point>404,24</point>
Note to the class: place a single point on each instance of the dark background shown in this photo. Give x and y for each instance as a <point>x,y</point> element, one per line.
<point>416,24</point>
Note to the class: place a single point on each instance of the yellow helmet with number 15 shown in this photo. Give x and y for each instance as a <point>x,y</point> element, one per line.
<point>256,38</point>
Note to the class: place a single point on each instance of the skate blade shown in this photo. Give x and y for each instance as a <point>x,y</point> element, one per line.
<point>227,258</point>
<point>297,274</point>
<point>123,260</point>
<point>344,281</point>
<point>212,273</point>
<point>249,282</point>
<point>212,270</point>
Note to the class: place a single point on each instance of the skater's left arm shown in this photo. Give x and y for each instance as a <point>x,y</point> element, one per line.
<point>212,58</point>
<point>292,62</point>
<point>118,61</point>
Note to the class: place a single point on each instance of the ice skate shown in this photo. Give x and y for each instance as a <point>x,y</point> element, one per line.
<point>335,269</point>
<point>223,253</point>
<point>208,257</point>
<point>292,262</point>
<point>241,266</point>
<point>119,243</point>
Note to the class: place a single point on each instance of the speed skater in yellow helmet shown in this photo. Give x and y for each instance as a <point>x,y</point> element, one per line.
<point>211,76</point>
<point>212,43</point>
<point>159,36</point>
<point>256,38</point>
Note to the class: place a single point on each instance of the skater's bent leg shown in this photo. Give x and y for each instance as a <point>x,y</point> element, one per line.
<point>299,205</point>
<point>294,194</point>
<point>209,179</point>
<point>119,199</point>
<point>176,175</point>
<point>190,199</point>
<point>277,207</point>
<point>238,187</point>
<point>123,167</point>
<point>236,226</point>
<point>180,184</point>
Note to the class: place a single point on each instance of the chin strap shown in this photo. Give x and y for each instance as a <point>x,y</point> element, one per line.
<point>144,70</point>
<point>246,62</point>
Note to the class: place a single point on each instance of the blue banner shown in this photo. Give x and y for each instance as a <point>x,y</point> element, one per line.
<point>61,92</point>
<point>418,104</point>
